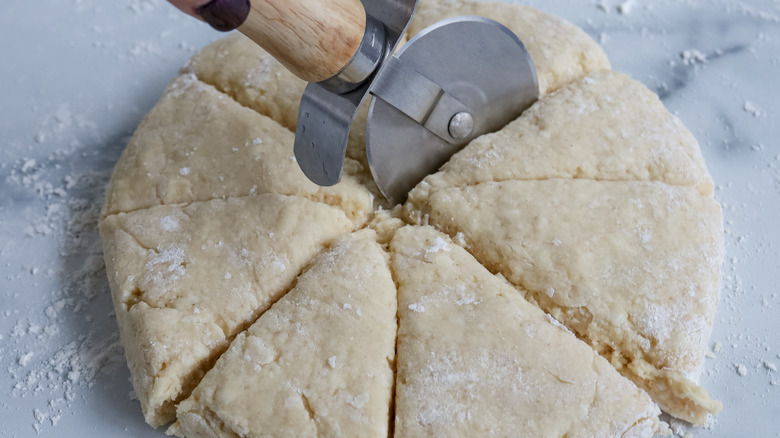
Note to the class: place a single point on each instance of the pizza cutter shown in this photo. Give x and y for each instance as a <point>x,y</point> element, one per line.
<point>454,81</point>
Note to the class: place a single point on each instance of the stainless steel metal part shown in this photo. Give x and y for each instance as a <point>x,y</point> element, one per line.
<point>325,117</point>
<point>420,98</point>
<point>461,125</point>
<point>454,81</point>
<point>363,63</point>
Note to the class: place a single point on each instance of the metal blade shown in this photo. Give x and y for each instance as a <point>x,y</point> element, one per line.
<point>482,69</point>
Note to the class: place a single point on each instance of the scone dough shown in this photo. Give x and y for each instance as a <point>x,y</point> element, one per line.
<point>596,200</point>
<point>630,267</point>
<point>209,221</point>
<point>476,359</point>
<point>186,280</point>
<point>318,363</point>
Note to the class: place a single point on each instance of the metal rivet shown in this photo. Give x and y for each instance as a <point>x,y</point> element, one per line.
<point>461,125</point>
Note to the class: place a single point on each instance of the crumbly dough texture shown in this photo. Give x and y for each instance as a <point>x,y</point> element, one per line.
<point>595,205</point>
<point>475,358</point>
<point>318,363</point>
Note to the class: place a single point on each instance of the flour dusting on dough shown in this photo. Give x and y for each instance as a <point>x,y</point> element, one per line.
<point>165,268</point>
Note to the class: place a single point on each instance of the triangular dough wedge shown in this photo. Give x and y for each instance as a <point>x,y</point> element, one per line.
<point>605,126</point>
<point>561,51</point>
<point>240,68</point>
<point>198,144</point>
<point>185,280</point>
<point>476,359</point>
<point>631,267</point>
<point>318,363</point>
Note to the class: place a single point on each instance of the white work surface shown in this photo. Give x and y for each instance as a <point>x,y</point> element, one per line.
<point>77,76</point>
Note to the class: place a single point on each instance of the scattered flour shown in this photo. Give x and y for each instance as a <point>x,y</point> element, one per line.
<point>141,6</point>
<point>54,352</point>
<point>751,108</point>
<point>679,427</point>
<point>467,299</point>
<point>169,223</point>
<point>24,359</point>
<point>28,165</point>
<point>165,268</point>
<point>693,57</point>
<point>416,307</point>
<point>626,7</point>
<point>440,244</point>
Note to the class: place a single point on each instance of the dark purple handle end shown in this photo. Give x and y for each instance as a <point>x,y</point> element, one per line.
<point>224,15</point>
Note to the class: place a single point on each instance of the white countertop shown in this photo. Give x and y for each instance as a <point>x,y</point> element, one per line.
<point>77,76</point>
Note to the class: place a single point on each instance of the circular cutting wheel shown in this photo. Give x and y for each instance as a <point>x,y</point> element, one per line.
<point>477,61</point>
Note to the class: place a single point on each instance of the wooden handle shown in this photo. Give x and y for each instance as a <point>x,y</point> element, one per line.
<point>314,39</point>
